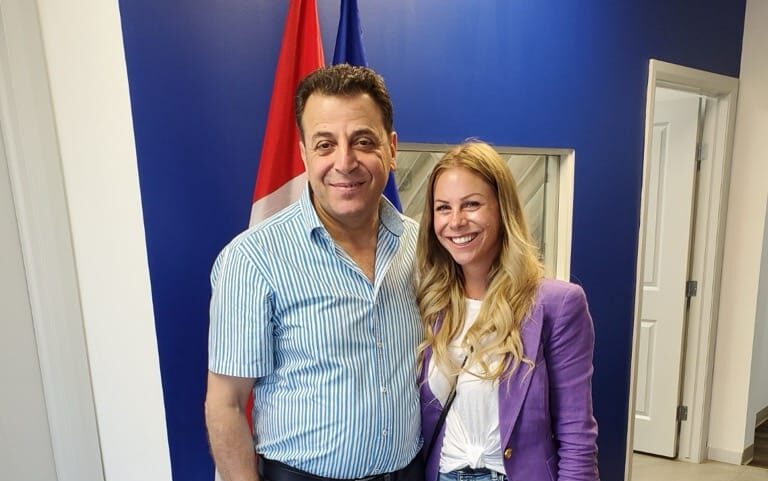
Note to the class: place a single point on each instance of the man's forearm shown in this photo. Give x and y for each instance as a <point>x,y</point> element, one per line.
<point>231,443</point>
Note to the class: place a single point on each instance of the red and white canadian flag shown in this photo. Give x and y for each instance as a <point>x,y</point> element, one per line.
<point>281,177</point>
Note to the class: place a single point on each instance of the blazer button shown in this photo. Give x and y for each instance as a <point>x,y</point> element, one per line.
<point>508,453</point>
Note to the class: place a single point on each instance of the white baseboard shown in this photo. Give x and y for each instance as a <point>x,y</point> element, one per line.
<point>731,457</point>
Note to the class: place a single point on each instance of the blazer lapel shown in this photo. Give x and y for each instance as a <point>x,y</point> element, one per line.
<point>427,396</point>
<point>513,389</point>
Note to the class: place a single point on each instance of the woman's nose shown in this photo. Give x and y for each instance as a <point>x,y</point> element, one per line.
<point>457,219</point>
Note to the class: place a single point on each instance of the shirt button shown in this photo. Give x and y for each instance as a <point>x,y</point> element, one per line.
<point>384,433</point>
<point>379,344</point>
<point>508,453</point>
<point>383,390</point>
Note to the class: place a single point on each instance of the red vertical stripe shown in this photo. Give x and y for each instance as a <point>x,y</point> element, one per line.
<point>301,53</point>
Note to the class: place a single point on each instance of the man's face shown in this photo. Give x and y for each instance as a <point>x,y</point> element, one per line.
<point>348,155</point>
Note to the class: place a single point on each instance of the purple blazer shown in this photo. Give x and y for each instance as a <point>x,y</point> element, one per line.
<point>545,415</point>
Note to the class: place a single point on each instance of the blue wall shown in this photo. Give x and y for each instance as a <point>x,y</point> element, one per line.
<point>538,73</point>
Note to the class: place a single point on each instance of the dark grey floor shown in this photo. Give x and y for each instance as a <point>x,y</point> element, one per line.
<point>761,446</point>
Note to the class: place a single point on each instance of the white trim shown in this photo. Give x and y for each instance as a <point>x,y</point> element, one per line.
<point>707,251</point>
<point>706,268</point>
<point>34,166</point>
<point>566,177</point>
<point>727,456</point>
<point>421,147</point>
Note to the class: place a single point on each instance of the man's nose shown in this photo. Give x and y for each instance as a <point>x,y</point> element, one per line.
<point>346,161</point>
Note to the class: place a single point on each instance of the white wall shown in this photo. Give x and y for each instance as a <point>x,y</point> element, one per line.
<point>89,92</point>
<point>758,390</point>
<point>40,210</point>
<point>731,427</point>
<point>25,442</point>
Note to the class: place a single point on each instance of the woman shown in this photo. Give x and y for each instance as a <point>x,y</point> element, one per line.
<point>515,349</point>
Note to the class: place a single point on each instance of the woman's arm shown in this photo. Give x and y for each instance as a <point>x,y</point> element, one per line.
<point>569,359</point>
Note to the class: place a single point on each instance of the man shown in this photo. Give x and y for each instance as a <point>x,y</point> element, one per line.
<point>314,310</point>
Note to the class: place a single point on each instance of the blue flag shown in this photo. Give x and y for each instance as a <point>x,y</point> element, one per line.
<point>349,49</point>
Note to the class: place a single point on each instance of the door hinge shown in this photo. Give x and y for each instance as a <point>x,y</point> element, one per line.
<point>701,154</point>
<point>682,413</point>
<point>701,151</point>
<point>691,287</point>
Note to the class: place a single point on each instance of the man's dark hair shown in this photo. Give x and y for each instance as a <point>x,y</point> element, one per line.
<point>344,81</point>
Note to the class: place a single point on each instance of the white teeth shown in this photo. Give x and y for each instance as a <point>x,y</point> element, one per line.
<point>463,239</point>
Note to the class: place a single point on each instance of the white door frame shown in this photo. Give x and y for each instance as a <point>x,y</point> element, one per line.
<point>707,244</point>
<point>37,183</point>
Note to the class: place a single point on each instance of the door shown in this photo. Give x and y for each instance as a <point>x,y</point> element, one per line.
<point>667,245</point>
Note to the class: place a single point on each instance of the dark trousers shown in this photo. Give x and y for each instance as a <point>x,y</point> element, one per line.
<point>276,471</point>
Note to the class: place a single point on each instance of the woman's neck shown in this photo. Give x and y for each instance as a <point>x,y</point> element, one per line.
<point>475,284</point>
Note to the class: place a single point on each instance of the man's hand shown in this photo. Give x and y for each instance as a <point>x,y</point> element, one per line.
<point>228,430</point>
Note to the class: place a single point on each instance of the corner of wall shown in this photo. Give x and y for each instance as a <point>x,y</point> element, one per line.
<point>738,383</point>
<point>89,91</point>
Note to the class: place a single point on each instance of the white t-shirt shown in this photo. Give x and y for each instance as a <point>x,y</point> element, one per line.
<point>472,436</point>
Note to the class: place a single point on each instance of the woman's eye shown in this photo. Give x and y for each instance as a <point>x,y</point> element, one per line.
<point>441,208</point>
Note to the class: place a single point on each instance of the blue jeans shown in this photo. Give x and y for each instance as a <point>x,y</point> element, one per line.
<point>467,474</point>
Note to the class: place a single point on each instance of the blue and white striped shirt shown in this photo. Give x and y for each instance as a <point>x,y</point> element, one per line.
<point>332,353</point>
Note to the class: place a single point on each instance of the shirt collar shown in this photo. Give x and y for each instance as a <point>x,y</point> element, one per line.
<point>308,212</point>
<point>390,218</point>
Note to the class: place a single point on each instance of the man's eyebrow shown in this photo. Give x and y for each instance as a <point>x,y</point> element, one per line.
<point>324,134</point>
<point>363,131</point>
<point>321,135</point>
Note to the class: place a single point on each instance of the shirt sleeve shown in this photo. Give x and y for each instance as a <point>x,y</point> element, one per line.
<point>240,331</point>
<point>569,357</point>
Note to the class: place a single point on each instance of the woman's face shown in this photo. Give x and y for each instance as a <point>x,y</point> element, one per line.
<point>467,220</point>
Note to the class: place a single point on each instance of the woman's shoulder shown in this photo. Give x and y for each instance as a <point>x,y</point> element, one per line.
<point>556,292</point>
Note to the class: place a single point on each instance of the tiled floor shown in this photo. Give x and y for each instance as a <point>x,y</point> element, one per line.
<point>652,468</point>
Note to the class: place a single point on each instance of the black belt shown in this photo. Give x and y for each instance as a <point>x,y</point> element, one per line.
<point>276,471</point>
<point>467,471</point>
<point>473,471</point>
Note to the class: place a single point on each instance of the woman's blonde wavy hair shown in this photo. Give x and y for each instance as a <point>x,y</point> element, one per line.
<point>513,278</point>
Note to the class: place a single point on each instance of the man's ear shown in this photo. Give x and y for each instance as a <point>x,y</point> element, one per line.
<point>303,151</point>
<point>393,149</point>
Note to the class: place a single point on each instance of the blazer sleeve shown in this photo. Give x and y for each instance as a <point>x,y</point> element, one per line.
<point>569,360</point>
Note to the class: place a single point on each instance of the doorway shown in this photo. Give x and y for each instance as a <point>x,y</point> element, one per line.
<point>689,130</point>
<point>678,122</point>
